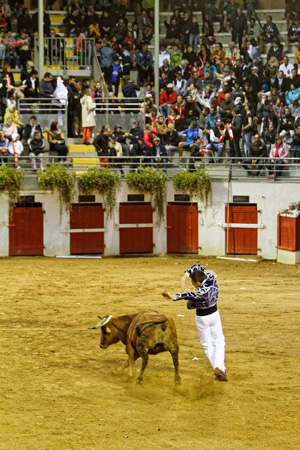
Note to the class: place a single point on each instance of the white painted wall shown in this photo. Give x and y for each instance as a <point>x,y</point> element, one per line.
<point>269,197</point>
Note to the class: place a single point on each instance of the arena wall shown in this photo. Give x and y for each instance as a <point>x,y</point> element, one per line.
<point>269,198</point>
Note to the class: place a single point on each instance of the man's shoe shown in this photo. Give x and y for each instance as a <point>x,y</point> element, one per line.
<point>220,375</point>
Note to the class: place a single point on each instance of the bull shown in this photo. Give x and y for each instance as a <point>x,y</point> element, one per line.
<point>143,334</point>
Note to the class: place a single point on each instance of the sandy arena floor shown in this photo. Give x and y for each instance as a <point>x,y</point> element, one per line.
<point>60,391</point>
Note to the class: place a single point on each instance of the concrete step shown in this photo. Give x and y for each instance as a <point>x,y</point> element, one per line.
<point>76,148</point>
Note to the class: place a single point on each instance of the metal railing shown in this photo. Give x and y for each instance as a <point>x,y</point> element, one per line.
<point>68,52</point>
<point>46,110</point>
<point>121,111</point>
<point>81,161</point>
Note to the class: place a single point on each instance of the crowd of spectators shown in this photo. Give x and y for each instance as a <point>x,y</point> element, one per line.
<point>210,95</point>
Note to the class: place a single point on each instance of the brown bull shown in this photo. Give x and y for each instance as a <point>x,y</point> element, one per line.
<point>143,334</point>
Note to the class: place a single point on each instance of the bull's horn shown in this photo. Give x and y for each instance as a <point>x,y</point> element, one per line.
<point>102,322</point>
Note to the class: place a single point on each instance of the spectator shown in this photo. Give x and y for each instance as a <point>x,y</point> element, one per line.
<point>25,22</point>
<point>269,32</point>
<point>56,142</point>
<point>139,150</point>
<point>135,133</point>
<point>185,28</point>
<point>226,108</point>
<point>9,128</point>
<point>286,66</point>
<point>171,139</point>
<point>269,135</point>
<point>172,33</point>
<point>238,26</point>
<point>30,128</point>
<point>248,130</point>
<point>121,138</point>
<point>187,137</point>
<point>296,145</point>
<point>107,56</point>
<point>232,53</point>
<point>72,23</point>
<point>15,147</point>
<point>275,50</point>
<point>256,161</point>
<point>208,37</point>
<point>11,112</point>
<point>277,158</point>
<point>46,88</point>
<point>236,127</point>
<point>218,55</point>
<point>119,31</point>
<point>217,139</point>
<point>3,148</point>
<point>115,150</point>
<point>37,147</point>
<point>159,154</point>
<point>194,34</point>
<point>144,62</point>
<point>101,143</point>
<point>196,153</point>
<point>88,116</point>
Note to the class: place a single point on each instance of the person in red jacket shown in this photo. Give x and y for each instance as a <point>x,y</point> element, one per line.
<point>167,98</point>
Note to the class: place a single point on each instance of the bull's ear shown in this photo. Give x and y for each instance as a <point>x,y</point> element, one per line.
<point>108,330</point>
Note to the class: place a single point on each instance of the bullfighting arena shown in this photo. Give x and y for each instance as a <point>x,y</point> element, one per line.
<point>59,390</point>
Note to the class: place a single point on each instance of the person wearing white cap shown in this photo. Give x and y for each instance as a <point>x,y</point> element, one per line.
<point>167,98</point>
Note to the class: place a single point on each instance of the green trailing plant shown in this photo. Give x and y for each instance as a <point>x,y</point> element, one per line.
<point>153,181</point>
<point>194,183</point>
<point>11,181</point>
<point>104,181</point>
<point>56,177</point>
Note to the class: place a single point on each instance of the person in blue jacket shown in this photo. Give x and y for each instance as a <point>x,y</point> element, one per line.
<point>187,137</point>
<point>116,72</point>
<point>144,62</point>
<point>204,299</point>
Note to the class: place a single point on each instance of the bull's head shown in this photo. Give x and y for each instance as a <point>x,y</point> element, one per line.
<point>109,333</point>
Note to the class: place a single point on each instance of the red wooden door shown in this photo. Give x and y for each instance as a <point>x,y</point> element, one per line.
<point>288,233</point>
<point>241,240</point>
<point>134,239</point>
<point>26,231</point>
<point>85,217</point>
<point>182,228</point>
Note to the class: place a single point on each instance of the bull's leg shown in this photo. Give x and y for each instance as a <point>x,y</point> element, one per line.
<point>145,358</point>
<point>131,358</point>
<point>174,353</point>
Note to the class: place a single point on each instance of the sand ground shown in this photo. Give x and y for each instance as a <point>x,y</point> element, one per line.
<point>60,391</point>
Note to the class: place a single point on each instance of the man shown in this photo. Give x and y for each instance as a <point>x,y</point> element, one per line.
<point>56,49</point>
<point>101,144</point>
<point>226,108</point>
<point>204,299</point>
<point>144,62</point>
<point>269,32</point>
<point>167,99</point>
<point>236,128</point>
<point>135,133</point>
<point>232,53</point>
<point>164,55</point>
<point>293,33</point>
<point>286,123</point>
<point>258,152</point>
<point>180,84</point>
<point>193,81</point>
<point>172,33</point>
<point>176,56</point>
<point>139,150</point>
<point>158,153</point>
<point>217,138</point>
<point>286,67</point>
<point>187,137</point>
<point>46,88</point>
<point>211,120</point>
<point>184,69</point>
<point>171,139</point>
<point>275,50</point>
<point>119,31</point>
<point>238,26</point>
